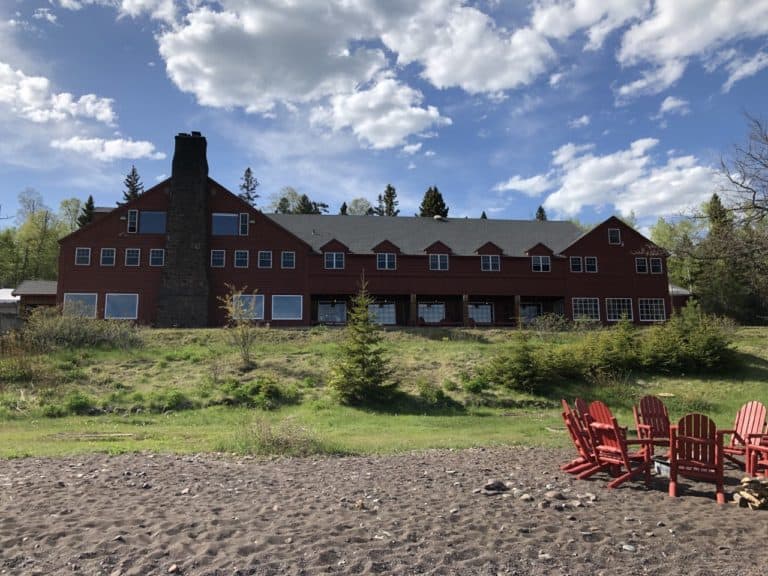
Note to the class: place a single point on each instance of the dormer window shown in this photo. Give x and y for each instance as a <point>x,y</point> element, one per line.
<point>334,260</point>
<point>540,264</point>
<point>614,236</point>
<point>490,263</point>
<point>438,262</point>
<point>386,261</point>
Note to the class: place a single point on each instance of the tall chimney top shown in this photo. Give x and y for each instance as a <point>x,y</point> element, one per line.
<point>189,158</point>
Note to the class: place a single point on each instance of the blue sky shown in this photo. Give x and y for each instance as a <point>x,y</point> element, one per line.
<point>588,107</point>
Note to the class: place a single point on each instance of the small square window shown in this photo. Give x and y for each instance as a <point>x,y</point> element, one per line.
<point>108,256</point>
<point>576,264</point>
<point>656,267</point>
<point>265,258</point>
<point>334,260</point>
<point>157,257</point>
<point>245,218</point>
<point>490,263</point>
<point>614,236</point>
<point>241,258</point>
<point>541,264</point>
<point>288,259</point>
<point>218,258</point>
<point>133,221</point>
<point>82,256</point>
<point>641,265</point>
<point>590,264</point>
<point>132,256</point>
<point>438,262</point>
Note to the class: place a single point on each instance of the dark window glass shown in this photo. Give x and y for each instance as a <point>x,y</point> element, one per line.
<point>151,222</point>
<point>224,224</point>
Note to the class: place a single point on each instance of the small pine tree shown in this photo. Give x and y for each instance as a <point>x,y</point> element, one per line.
<point>483,216</point>
<point>248,187</point>
<point>86,213</point>
<point>343,209</point>
<point>361,373</point>
<point>433,204</point>
<point>541,215</point>
<point>133,186</point>
<point>387,203</point>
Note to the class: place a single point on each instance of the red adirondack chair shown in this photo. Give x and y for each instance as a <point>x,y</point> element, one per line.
<point>611,448</point>
<point>696,451</point>
<point>581,441</point>
<point>750,421</point>
<point>757,456</point>
<point>652,420</point>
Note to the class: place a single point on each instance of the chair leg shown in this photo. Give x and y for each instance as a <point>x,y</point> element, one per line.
<point>673,483</point>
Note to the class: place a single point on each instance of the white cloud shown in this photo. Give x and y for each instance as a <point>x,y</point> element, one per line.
<point>567,152</point>
<point>556,78</point>
<point>44,14</point>
<point>653,80</point>
<point>164,10</point>
<point>109,150</point>
<point>533,186</point>
<point>412,148</point>
<point>429,153</point>
<point>382,116</point>
<point>673,105</point>
<point>579,122</point>
<point>739,68</point>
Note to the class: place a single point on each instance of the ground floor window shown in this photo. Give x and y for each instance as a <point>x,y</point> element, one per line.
<point>652,309</point>
<point>586,309</point>
<point>481,313</point>
<point>618,308</point>
<point>432,312</point>
<point>383,313</point>
<point>287,307</point>
<point>248,307</point>
<point>83,305</point>
<point>121,306</point>
<point>329,312</point>
<point>529,311</point>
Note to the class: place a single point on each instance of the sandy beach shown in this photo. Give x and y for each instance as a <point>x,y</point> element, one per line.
<point>416,513</point>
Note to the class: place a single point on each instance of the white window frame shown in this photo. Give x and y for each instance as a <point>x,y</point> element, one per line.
<point>132,222</point>
<point>162,259</point>
<point>586,266</point>
<point>106,306</point>
<point>138,257</point>
<point>610,315</point>
<point>243,223</point>
<point>264,253</point>
<point>301,307</point>
<point>240,254</point>
<point>256,298</point>
<point>283,254</point>
<point>541,260</point>
<point>95,301</point>
<point>660,265</point>
<point>643,306</point>
<point>114,257</point>
<point>578,259</point>
<point>223,258</point>
<point>582,299</point>
<point>335,258</point>
<point>388,258</point>
<point>641,260</point>
<point>77,256</point>
<point>436,262</point>
<point>490,263</point>
<point>617,231</point>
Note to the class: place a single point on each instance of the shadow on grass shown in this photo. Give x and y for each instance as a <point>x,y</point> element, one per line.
<point>400,402</point>
<point>451,334</point>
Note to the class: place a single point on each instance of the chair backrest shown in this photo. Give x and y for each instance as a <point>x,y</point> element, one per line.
<point>750,419</point>
<point>696,440</point>
<point>579,436</point>
<point>599,412</point>
<point>651,411</point>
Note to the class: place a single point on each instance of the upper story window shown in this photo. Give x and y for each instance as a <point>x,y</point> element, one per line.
<point>386,261</point>
<point>641,265</point>
<point>108,256</point>
<point>265,258</point>
<point>490,262</point>
<point>614,236</point>
<point>245,219</point>
<point>438,262</point>
<point>288,259</point>
<point>218,258</point>
<point>540,264</point>
<point>151,222</point>
<point>82,256</point>
<point>334,260</point>
<point>241,258</point>
<point>224,224</point>
<point>133,221</point>
<point>656,267</point>
<point>157,257</point>
<point>590,264</point>
<point>575,264</point>
<point>132,256</point>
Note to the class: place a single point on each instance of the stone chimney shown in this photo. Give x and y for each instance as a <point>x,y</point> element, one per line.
<point>184,288</point>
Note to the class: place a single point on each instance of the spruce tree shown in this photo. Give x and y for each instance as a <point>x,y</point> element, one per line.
<point>483,216</point>
<point>387,203</point>
<point>86,214</point>
<point>541,215</point>
<point>433,204</point>
<point>343,209</point>
<point>248,187</point>
<point>133,186</point>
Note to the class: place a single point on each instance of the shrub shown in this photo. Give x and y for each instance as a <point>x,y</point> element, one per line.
<point>48,329</point>
<point>171,399</point>
<point>517,367</point>
<point>286,438</point>
<point>263,393</point>
<point>79,403</point>
<point>551,322</point>
<point>431,393</point>
<point>15,362</point>
<point>241,331</point>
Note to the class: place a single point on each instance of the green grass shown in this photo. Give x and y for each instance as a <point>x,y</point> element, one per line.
<point>169,395</point>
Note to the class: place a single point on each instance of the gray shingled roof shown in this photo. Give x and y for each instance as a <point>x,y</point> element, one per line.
<point>36,288</point>
<point>412,234</point>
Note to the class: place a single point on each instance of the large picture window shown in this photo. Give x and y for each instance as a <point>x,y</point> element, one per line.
<point>248,306</point>
<point>652,309</point>
<point>151,222</point>
<point>481,313</point>
<point>224,224</point>
<point>383,313</point>
<point>83,305</point>
<point>287,307</point>
<point>618,308</point>
<point>121,306</point>
<point>432,312</point>
<point>586,309</point>
<point>332,312</point>
<point>438,262</point>
<point>490,263</point>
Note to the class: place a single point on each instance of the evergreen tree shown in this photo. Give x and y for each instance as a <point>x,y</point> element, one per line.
<point>86,216</point>
<point>541,215</point>
<point>343,209</point>
<point>283,206</point>
<point>433,204</point>
<point>133,186</point>
<point>248,187</point>
<point>387,203</point>
<point>483,216</point>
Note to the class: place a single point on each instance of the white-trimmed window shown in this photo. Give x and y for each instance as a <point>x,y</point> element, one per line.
<point>480,312</point>
<point>541,264</point>
<point>432,312</point>
<point>157,257</point>
<point>132,256</point>
<point>82,256</point>
<point>614,236</point>
<point>586,309</point>
<point>108,257</point>
<point>330,312</point>
<point>241,258</point>
<point>248,307</point>
<point>383,313</point>
<point>245,219</point>
<point>575,262</point>
<point>618,308</point>
<point>386,261</point>
<point>288,259</point>
<point>78,304</point>
<point>287,307</point>
<point>265,258</point>
<point>334,260</point>
<point>438,262</point>
<point>121,306</point>
<point>490,263</point>
<point>133,222</point>
<point>590,264</point>
<point>652,309</point>
<point>218,258</point>
<point>641,265</point>
<point>225,224</point>
<point>656,267</point>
